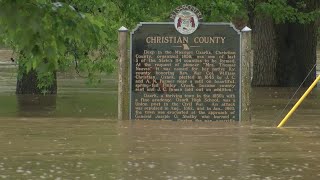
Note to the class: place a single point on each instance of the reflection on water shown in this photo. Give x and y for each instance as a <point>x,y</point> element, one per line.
<point>62,105</point>
<point>80,139</point>
<point>31,105</point>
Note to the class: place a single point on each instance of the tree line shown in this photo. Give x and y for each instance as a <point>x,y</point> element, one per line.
<point>49,36</point>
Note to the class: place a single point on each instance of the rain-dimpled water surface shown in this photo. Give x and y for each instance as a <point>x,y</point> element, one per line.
<point>78,137</point>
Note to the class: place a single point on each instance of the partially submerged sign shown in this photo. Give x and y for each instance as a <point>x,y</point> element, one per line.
<point>185,69</point>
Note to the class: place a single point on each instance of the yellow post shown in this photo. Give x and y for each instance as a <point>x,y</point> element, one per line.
<point>299,102</point>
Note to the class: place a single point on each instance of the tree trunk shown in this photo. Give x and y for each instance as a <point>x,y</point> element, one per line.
<point>265,51</point>
<point>28,84</point>
<point>297,45</point>
<point>30,99</point>
<point>285,53</point>
<point>297,51</point>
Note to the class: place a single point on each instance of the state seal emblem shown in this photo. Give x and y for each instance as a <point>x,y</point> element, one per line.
<point>186,22</point>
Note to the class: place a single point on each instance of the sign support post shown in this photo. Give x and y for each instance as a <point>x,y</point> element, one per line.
<point>246,64</point>
<point>123,79</point>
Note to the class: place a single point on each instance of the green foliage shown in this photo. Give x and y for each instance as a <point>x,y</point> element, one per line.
<point>52,36</point>
<point>135,11</point>
<point>49,36</point>
<point>282,11</point>
<point>227,10</point>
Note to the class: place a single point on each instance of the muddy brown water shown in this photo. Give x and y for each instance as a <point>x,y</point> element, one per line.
<point>80,138</point>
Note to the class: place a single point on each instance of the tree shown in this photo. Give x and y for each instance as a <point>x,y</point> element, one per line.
<point>50,36</point>
<point>264,45</point>
<point>284,34</point>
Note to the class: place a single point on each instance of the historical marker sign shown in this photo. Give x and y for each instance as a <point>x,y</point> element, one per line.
<point>185,70</point>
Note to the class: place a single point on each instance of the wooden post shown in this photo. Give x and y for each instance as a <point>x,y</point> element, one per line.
<point>246,64</point>
<point>123,71</point>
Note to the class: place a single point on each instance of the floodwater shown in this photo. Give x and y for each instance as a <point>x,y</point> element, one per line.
<point>80,138</point>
